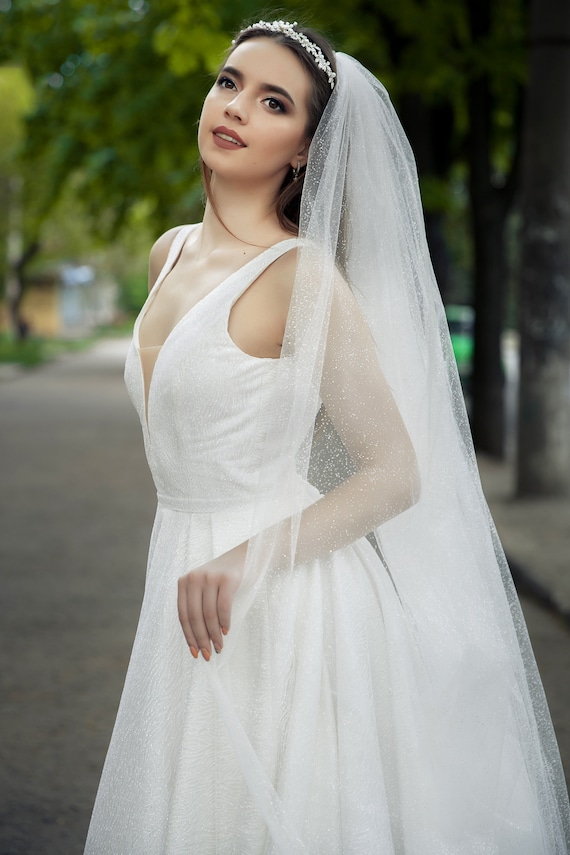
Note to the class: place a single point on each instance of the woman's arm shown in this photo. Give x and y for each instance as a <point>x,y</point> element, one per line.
<point>385,482</point>
<point>363,411</point>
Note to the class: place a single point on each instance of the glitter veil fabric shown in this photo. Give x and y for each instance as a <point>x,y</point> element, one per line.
<point>377,692</point>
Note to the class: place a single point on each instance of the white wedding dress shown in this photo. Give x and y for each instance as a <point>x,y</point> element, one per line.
<point>320,735</point>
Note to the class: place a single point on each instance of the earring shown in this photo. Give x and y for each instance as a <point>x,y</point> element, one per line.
<point>297,171</point>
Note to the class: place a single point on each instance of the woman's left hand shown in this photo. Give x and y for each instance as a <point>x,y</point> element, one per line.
<point>205,597</point>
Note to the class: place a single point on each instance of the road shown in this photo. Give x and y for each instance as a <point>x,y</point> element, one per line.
<point>76,508</point>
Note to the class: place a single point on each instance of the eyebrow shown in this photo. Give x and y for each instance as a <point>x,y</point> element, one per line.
<point>265,87</point>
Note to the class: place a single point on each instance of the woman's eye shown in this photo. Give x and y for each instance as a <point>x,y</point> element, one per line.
<point>275,105</point>
<point>226,83</point>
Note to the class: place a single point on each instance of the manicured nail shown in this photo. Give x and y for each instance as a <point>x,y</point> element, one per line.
<point>217,648</point>
<point>194,652</point>
<point>205,653</point>
<point>225,630</point>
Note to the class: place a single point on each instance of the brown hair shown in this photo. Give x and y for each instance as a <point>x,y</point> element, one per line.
<point>288,202</point>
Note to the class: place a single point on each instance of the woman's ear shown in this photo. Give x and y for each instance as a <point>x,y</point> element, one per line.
<point>302,156</point>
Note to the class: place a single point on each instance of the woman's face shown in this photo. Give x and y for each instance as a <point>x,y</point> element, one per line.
<point>254,119</point>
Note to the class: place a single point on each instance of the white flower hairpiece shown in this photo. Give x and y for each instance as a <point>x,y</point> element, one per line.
<point>288,30</point>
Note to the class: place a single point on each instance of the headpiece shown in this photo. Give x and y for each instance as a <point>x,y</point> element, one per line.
<point>289,30</point>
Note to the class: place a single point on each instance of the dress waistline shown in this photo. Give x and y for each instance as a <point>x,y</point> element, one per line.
<point>189,505</point>
<point>267,505</point>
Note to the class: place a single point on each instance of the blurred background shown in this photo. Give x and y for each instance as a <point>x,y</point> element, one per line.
<point>99,104</point>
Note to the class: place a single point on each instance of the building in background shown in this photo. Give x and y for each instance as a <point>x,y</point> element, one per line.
<point>67,302</point>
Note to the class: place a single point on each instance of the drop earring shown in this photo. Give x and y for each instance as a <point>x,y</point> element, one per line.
<point>297,171</point>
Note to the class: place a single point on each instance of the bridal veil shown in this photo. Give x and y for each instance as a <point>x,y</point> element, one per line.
<point>368,409</point>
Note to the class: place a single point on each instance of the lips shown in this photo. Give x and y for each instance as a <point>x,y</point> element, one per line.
<point>227,138</point>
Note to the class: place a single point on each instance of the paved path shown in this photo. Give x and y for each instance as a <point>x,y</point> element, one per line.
<point>535,533</point>
<point>76,507</point>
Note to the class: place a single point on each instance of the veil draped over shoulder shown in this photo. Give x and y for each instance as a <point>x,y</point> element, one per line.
<point>367,411</point>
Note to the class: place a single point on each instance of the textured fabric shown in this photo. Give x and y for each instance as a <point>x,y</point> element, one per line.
<point>375,694</point>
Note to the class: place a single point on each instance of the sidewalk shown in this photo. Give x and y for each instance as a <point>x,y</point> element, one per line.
<point>535,534</point>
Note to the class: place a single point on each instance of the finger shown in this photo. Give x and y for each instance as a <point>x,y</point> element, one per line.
<point>184,618</point>
<point>226,593</point>
<point>194,588</point>
<point>210,610</point>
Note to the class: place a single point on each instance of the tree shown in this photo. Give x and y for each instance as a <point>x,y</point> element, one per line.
<point>112,119</point>
<point>543,463</point>
<point>456,71</point>
<point>110,76</point>
<point>492,193</point>
<point>16,99</point>
<point>111,115</point>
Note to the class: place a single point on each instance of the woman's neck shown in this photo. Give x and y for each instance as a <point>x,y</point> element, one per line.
<point>242,217</point>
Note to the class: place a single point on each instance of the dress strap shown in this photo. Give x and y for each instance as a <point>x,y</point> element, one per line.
<point>173,253</point>
<point>245,276</point>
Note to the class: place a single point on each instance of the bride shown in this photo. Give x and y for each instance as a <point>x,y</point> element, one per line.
<point>330,656</point>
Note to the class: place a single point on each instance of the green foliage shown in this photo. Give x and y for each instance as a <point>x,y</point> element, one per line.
<point>16,101</point>
<point>191,39</point>
<point>119,86</point>
<point>34,351</point>
<point>110,112</point>
<point>26,353</point>
<point>133,290</point>
<point>430,48</point>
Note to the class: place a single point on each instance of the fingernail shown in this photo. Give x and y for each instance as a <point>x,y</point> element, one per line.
<point>205,653</point>
<point>194,652</point>
<point>217,648</point>
<point>225,630</point>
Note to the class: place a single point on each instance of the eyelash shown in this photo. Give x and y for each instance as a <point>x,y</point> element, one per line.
<point>279,104</point>
<point>221,82</point>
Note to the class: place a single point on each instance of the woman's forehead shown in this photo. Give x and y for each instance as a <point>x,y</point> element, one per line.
<point>269,62</point>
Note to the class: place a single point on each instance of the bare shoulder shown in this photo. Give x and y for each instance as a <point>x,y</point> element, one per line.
<point>159,254</point>
<point>281,275</point>
<point>258,318</point>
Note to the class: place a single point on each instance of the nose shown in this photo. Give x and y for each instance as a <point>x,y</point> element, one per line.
<point>236,108</point>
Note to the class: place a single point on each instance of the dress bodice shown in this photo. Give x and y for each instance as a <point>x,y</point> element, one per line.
<point>204,411</point>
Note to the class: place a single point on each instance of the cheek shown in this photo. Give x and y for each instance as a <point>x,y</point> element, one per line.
<point>283,138</point>
<point>289,143</point>
<point>205,108</point>
<point>211,100</point>
<point>203,120</point>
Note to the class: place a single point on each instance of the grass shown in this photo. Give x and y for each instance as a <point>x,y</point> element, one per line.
<point>35,351</point>
<point>25,353</point>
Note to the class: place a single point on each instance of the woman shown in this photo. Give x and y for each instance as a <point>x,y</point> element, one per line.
<point>372,688</point>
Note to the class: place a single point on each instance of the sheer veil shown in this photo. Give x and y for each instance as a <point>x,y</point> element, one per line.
<point>368,413</point>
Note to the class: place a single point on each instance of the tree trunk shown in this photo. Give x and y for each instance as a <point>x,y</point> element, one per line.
<point>439,252</point>
<point>14,290</point>
<point>543,460</point>
<point>489,209</point>
<point>429,129</point>
<point>18,256</point>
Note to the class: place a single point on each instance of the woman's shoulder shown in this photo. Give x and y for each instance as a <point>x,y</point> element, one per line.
<point>161,246</point>
<point>160,250</point>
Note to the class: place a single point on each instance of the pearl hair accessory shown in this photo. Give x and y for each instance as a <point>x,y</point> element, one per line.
<point>288,30</point>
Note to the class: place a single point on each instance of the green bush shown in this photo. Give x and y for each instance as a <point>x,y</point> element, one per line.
<point>28,352</point>
<point>133,291</point>
<point>34,351</point>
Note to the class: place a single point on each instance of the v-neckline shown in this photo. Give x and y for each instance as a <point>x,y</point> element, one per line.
<point>151,297</point>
